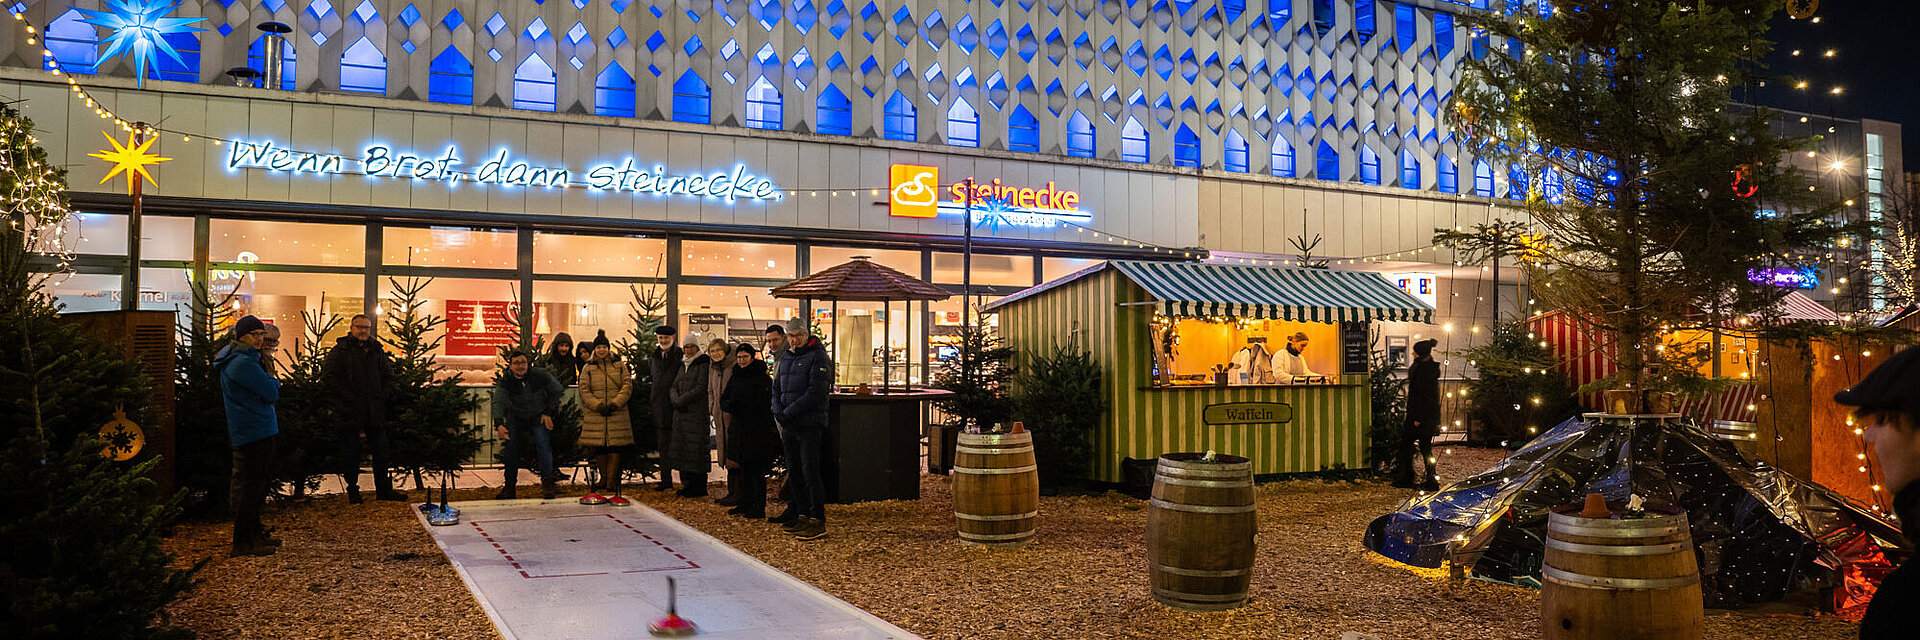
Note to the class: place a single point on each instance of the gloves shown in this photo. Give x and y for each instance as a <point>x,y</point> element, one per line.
<point>606,409</point>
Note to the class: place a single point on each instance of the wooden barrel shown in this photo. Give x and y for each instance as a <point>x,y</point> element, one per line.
<point>1200,525</point>
<point>996,488</point>
<point>1624,578</point>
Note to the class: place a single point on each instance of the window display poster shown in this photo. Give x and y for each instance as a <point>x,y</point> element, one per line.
<point>480,327</point>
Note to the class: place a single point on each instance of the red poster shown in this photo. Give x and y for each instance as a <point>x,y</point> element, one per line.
<point>480,327</point>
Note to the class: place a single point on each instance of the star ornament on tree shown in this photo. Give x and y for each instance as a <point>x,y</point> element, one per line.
<point>140,27</point>
<point>131,160</point>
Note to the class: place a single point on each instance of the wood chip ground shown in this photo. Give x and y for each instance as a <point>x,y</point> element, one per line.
<point>370,571</point>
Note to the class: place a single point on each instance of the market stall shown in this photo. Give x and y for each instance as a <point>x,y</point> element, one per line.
<point>873,434</point>
<point>1268,363</point>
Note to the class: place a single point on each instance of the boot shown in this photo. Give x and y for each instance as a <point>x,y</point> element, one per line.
<point>251,550</point>
<point>548,489</point>
<point>797,524</point>
<point>785,517</point>
<point>353,495</point>
<point>390,495</point>
<point>508,493</point>
<point>264,536</point>
<point>815,529</point>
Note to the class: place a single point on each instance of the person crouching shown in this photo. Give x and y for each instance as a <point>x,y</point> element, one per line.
<point>525,400</point>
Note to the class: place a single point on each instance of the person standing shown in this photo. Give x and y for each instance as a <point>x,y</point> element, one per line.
<point>249,394</point>
<point>358,376</point>
<point>719,371</point>
<point>799,403</point>
<point>689,449</point>
<point>664,364</point>
<point>562,362</point>
<point>1423,418</point>
<point>775,344</point>
<point>270,350</point>
<point>751,438</point>
<point>1291,362</point>
<point>605,387</point>
<point>1887,403</point>
<point>525,400</point>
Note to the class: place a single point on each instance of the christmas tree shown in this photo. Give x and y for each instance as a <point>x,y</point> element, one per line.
<point>637,349</point>
<point>1640,181</point>
<point>981,379</point>
<point>1519,392</point>
<point>427,412</point>
<point>308,442</point>
<point>80,553</point>
<point>202,450</point>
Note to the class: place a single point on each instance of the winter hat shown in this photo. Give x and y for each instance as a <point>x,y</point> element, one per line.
<point>600,340</point>
<point>1425,347</point>
<point>665,330</point>
<point>1892,386</point>
<point>248,324</point>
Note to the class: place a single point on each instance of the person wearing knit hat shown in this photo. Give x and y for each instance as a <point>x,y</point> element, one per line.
<point>606,429</point>
<point>1887,407</point>
<point>1423,419</point>
<point>249,394</point>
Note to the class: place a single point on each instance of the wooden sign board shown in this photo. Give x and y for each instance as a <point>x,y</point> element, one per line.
<point>1248,413</point>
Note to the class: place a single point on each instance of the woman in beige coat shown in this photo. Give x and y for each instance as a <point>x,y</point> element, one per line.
<point>605,387</point>
<point>717,378</point>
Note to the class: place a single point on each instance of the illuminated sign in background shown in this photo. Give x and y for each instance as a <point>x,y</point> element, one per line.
<point>502,169</point>
<point>1790,277</point>
<point>914,192</point>
<point>1425,286</point>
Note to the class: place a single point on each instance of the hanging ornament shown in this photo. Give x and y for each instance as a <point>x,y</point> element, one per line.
<point>120,438</point>
<point>140,27</point>
<point>131,159</point>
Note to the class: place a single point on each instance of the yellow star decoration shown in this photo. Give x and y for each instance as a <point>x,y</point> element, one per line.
<point>132,160</point>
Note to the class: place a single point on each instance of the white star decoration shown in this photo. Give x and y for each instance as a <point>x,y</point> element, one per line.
<point>140,27</point>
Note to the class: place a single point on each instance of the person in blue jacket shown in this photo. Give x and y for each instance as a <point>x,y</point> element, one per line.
<point>801,385</point>
<point>251,426</point>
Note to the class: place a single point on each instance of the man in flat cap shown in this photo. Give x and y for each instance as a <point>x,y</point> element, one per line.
<point>1887,405</point>
<point>665,365</point>
<point>1423,418</point>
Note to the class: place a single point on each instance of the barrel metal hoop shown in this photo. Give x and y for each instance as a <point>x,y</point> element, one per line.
<point>1202,573</point>
<point>1618,550</point>
<point>996,537</point>
<point>1204,469</point>
<point>1199,597</point>
<point>995,472</point>
<point>1616,532</point>
<point>999,518</point>
<point>1198,508</point>
<point>995,438</point>
<point>1244,482</point>
<point>993,452</point>
<point>1177,472</point>
<point>1583,581</point>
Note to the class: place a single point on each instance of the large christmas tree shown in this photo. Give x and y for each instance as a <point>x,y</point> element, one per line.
<point>427,413</point>
<point>1641,182</point>
<point>80,553</point>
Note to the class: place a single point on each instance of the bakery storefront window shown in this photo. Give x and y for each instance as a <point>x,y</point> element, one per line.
<point>824,258</point>
<point>988,269</point>
<point>621,256</point>
<point>482,316</point>
<point>583,309</point>
<point>289,243</point>
<point>738,259</point>
<point>450,247</point>
<point>1199,351</point>
<point>731,313</point>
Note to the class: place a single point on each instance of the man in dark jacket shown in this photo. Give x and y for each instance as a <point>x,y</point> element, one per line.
<point>751,438</point>
<point>1888,404</point>
<point>692,420</point>
<point>665,366</point>
<point>1423,418</point>
<point>799,403</point>
<point>525,400</point>
<point>249,394</point>
<point>358,375</point>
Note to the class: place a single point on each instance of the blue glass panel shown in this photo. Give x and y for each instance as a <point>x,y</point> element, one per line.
<point>764,106</point>
<point>1235,155</point>
<point>1282,157</point>
<point>450,78</point>
<point>363,68</point>
<point>1186,148</point>
<point>1080,142</point>
<point>1363,24</point>
<point>75,44</point>
<point>1133,142</point>
<point>1409,170</point>
<point>1405,30</point>
<point>834,113</point>
<point>533,85</point>
<point>1482,179</point>
<point>613,92</point>
<point>1326,162</point>
<point>692,100</point>
<point>1516,182</point>
<point>1369,166</point>
<point>1023,131</point>
<point>1443,34</point>
<point>963,124</point>
<point>453,19</point>
<point>899,122</point>
<point>188,69</point>
<point>1449,181</point>
<point>1323,16</point>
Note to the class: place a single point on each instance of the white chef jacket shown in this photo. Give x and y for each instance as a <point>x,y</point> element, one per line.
<point>1287,366</point>
<point>1251,365</point>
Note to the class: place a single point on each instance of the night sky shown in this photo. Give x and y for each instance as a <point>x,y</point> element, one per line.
<point>1874,61</point>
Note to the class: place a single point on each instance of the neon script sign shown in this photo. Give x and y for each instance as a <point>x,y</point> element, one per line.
<point>503,169</point>
<point>915,192</point>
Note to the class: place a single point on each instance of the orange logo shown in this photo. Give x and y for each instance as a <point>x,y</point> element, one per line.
<point>915,191</point>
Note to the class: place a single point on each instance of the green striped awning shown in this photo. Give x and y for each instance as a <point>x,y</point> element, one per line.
<point>1273,293</point>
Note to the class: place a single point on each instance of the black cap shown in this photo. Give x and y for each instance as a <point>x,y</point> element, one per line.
<point>1425,347</point>
<point>665,330</point>
<point>248,324</point>
<point>1892,386</point>
<point>600,340</point>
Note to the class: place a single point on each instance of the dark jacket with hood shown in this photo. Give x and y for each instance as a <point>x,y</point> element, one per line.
<point>664,364</point>
<point>358,375</point>
<point>751,438</point>
<point>1423,398</point>
<point>687,451</point>
<point>801,387</point>
<point>249,394</point>
<point>565,367</point>
<point>1892,613</point>
<point>523,399</point>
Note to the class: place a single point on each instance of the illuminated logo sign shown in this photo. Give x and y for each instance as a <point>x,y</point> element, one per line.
<point>916,193</point>
<point>502,169</point>
<point>1425,286</point>
<point>1788,277</point>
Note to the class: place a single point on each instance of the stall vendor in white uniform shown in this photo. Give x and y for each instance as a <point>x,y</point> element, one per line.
<point>1252,364</point>
<point>1290,363</point>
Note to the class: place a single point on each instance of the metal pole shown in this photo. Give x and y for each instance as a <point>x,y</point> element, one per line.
<point>886,345</point>
<point>1496,289</point>
<point>966,264</point>
<point>130,285</point>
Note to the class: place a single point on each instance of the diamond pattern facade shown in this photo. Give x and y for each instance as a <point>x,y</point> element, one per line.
<point>1304,76</point>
